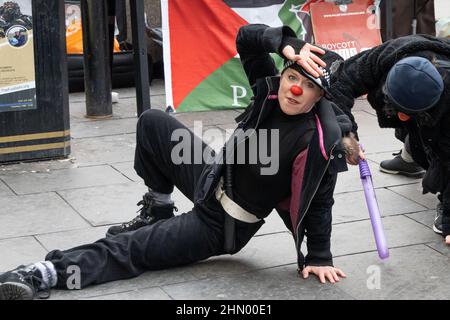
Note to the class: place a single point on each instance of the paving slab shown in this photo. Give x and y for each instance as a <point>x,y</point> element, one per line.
<point>350,180</point>
<point>352,206</point>
<point>372,143</point>
<point>357,237</point>
<point>36,214</point>
<point>125,108</point>
<point>104,150</point>
<point>361,104</point>
<point>115,203</point>
<point>181,201</point>
<point>260,253</point>
<point>141,294</point>
<point>105,205</point>
<point>4,190</point>
<point>156,88</point>
<point>19,251</point>
<point>368,126</point>
<point>228,127</point>
<point>424,217</point>
<point>145,281</point>
<point>281,283</point>
<point>274,224</point>
<point>415,272</point>
<point>414,192</point>
<point>38,166</point>
<point>127,169</point>
<point>65,240</point>
<point>101,128</point>
<point>57,180</point>
<point>440,246</point>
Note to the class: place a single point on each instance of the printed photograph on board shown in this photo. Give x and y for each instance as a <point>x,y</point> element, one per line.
<point>17,73</point>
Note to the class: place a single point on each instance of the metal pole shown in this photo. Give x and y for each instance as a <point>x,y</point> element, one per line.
<point>111,9</point>
<point>97,67</point>
<point>140,56</point>
<point>389,33</point>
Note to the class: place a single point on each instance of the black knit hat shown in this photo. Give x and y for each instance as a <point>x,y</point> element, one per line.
<point>332,59</point>
<point>414,85</point>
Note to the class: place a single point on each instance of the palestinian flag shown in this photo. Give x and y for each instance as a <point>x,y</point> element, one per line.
<point>202,68</point>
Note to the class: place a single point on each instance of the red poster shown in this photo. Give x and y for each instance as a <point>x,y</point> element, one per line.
<point>345,29</point>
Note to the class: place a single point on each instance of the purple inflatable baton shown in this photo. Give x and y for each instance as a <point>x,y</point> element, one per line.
<point>374,210</point>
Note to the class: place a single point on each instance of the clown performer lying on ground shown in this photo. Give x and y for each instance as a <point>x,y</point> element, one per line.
<point>304,132</point>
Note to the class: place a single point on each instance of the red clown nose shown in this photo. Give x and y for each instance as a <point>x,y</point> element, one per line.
<point>296,90</point>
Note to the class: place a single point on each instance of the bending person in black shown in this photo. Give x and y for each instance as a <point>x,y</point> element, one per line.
<point>408,84</point>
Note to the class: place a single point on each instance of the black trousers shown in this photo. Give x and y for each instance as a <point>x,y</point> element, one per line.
<point>181,240</point>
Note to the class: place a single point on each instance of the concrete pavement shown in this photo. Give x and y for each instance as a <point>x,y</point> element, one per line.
<point>64,203</point>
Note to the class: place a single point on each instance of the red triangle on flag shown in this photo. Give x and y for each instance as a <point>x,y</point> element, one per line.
<point>202,38</point>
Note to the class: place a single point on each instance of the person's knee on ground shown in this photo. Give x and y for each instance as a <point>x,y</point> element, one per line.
<point>155,206</point>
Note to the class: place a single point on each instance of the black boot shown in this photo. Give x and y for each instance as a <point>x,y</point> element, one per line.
<point>441,223</point>
<point>400,166</point>
<point>437,225</point>
<point>149,214</point>
<point>23,283</point>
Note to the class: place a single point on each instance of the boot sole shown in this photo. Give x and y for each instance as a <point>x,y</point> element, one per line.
<point>15,291</point>
<point>403,173</point>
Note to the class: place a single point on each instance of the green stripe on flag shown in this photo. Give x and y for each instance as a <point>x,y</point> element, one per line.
<point>289,18</point>
<point>225,88</point>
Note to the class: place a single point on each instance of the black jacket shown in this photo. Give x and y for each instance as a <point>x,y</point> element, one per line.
<point>429,134</point>
<point>366,72</point>
<point>309,209</point>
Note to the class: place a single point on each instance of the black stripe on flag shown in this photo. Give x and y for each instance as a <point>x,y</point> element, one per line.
<point>252,3</point>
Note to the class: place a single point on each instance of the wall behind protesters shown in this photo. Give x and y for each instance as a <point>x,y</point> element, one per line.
<point>402,17</point>
<point>153,11</point>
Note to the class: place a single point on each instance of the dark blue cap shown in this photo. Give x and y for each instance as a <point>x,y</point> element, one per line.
<point>414,85</point>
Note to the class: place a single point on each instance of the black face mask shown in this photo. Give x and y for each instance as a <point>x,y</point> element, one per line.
<point>389,110</point>
<point>424,119</point>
